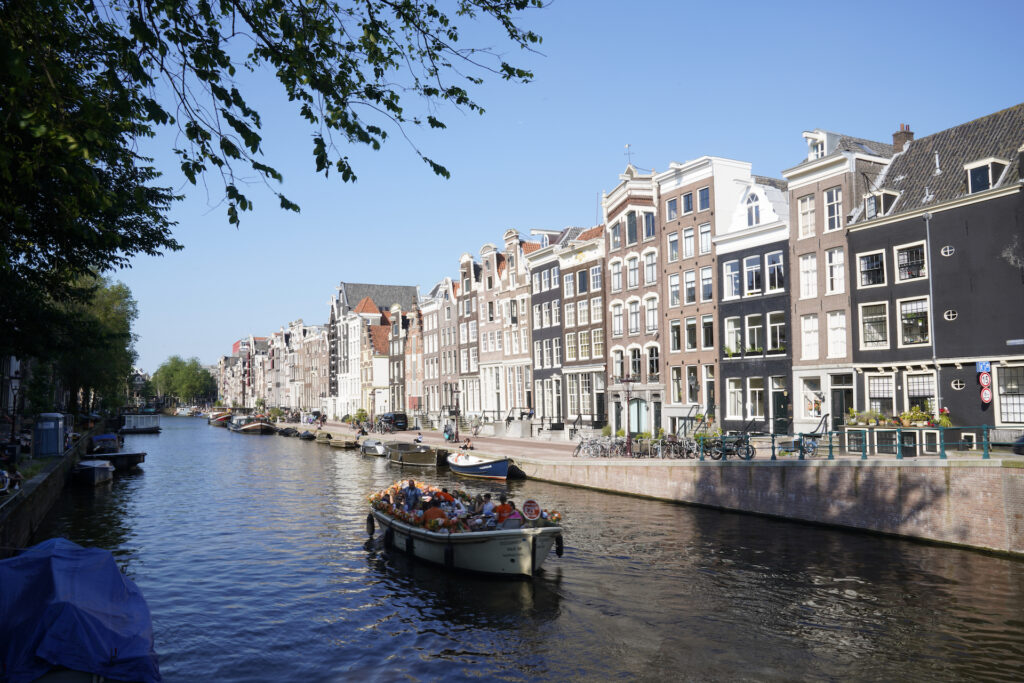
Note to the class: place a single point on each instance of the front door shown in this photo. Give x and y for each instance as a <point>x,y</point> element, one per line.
<point>600,408</point>
<point>842,400</point>
<point>780,412</point>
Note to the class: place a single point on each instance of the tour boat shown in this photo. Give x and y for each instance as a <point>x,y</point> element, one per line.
<point>141,424</point>
<point>251,424</point>
<point>475,466</point>
<point>506,552</point>
<point>92,472</point>
<point>373,447</point>
<point>220,418</point>
<point>411,454</point>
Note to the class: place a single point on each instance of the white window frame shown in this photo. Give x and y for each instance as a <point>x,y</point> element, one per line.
<point>809,276</point>
<point>700,199</point>
<point>769,268</point>
<point>709,271</point>
<point>834,284</point>
<point>569,286</point>
<point>756,266</point>
<point>704,319</point>
<point>860,326</point>
<point>689,246</point>
<point>751,413</point>
<point>748,341</point>
<point>689,277</point>
<point>650,267</point>
<point>804,350</point>
<point>733,386</point>
<point>836,205</point>
<point>673,291</point>
<point>673,253</point>
<point>830,349</point>
<point>704,246</point>
<point>899,314</point>
<point>726,280</point>
<point>686,336</point>
<point>805,216</point>
<point>615,273</point>
<point>672,209</point>
<point>733,336</point>
<point>651,314</point>
<point>896,262</point>
<point>885,273</point>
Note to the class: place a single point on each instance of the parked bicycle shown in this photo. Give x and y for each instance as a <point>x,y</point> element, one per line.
<point>737,445</point>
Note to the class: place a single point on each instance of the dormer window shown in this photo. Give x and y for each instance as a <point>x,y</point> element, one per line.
<point>817,149</point>
<point>753,210</point>
<point>984,174</point>
<point>879,203</point>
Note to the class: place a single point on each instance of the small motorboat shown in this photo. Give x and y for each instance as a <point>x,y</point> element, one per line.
<point>411,454</point>
<point>373,447</point>
<point>68,612</point>
<point>345,442</point>
<point>474,466</point>
<point>109,446</point>
<point>307,435</point>
<point>288,431</point>
<point>92,472</point>
<point>322,437</point>
<point>219,418</point>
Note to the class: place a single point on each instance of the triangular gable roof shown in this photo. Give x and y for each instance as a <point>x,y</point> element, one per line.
<point>366,305</point>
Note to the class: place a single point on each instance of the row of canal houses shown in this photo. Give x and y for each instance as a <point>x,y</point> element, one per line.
<point>873,276</point>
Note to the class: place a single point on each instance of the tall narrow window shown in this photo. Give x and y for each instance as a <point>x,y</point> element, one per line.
<point>616,236</point>
<point>673,247</point>
<point>674,336</point>
<point>914,321</point>
<point>806,215</point>
<point>633,272</point>
<point>755,333</point>
<point>707,332</point>
<point>688,243</point>
<point>631,236</point>
<point>650,268</point>
<point>648,225</point>
<point>776,332</point>
<point>809,337</point>
<point>616,271</point>
<point>688,202</point>
<point>703,199</point>
<point>673,290</point>
<point>706,292</point>
<point>652,315</point>
<point>752,271</point>
<point>874,322</point>
<point>834,276</point>
<point>689,287</point>
<point>836,334</point>
<point>733,336</point>
<point>671,209</point>
<point>753,210</point>
<point>705,238</point>
<point>808,276</point>
<point>691,334</point>
<point>833,208</point>
<point>634,317</point>
<point>776,274</point>
<point>617,320</point>
<point>731,279</point>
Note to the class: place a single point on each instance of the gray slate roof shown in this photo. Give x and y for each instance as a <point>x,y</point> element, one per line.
<point>848,143</point>
<point>912,171</point>
<point>351,293</point>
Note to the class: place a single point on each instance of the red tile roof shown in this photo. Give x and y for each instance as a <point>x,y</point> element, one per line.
<point>366,305</point>
<point>455,287</point>
<point>379,337</point>
<point>500,259</point>
<point>597,231</point>
<point>530,247</point>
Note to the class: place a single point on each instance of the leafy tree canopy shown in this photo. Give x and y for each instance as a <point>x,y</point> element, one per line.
<point>83,80</point>
<point>186,380</point>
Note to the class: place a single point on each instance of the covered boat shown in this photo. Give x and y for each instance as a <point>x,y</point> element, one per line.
<point>323,437</point>
<point>515,552</point>
<point>373,447</point>
<point>219,418</point>
<point>135,423</point>
<point>109,446</point>
<point>411,454</point>
<point>475,466</point>
<point>251,424</point>
<point>63,605</point>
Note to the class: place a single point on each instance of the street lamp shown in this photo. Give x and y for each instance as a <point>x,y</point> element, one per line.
<point>455,393</point>
<point>627,381</point>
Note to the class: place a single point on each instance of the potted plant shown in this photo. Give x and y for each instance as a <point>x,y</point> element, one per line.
<point>944,419</point>
<point>729,352</point>
<point>852,417</point>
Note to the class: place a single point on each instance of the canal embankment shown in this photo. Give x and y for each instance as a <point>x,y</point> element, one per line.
<point>963,501</point>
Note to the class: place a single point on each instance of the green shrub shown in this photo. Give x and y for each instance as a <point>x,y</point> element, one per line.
<point>606,430</point>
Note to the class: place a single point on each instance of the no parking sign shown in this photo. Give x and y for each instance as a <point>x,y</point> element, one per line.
<point>986,395</point>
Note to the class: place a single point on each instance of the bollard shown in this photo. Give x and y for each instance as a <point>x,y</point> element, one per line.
<point>831,454</point>
<point>899,443</point>
<point>942,443</point>
<point>801,442</point>
<point>864,445</point>
<point>984,441</point>
<point>773,445</point>
<point>702,447</point>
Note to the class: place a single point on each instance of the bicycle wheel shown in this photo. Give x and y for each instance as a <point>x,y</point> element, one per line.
<point>810,447</point>
<point>716,451</point>
<point>576,452</point>
<point>745,451</point>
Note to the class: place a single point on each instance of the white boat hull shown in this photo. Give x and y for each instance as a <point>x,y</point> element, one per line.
<point>511,552</point>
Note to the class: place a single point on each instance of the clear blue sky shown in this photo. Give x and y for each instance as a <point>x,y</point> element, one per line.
<point>675,80</point>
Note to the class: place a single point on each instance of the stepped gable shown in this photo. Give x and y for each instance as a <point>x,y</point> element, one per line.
<point>913,175</point>
<point>379,338</point>
<point>383,296</point>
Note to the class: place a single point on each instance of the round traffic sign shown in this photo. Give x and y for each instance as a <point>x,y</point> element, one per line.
<point>986,395</point>
<point>985,379</point>
<point>531,509</point>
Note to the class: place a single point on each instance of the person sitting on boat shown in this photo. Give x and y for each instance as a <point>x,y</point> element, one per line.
<point>488,507</point>
<point>412,495</point>
<point>444,496</point>
<point>434,511</point>
<point>478,505</point>
<point>514,519</point>
<point>503,509</point>
<point>419,438</point>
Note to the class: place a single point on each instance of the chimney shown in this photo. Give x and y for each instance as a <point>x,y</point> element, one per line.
<point>901,137</point>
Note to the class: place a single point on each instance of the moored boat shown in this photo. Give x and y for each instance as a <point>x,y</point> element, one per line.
<point>345,442</point>
<point>307,435</point>
<point>109,446</point>
<point>251,424</point>
<point>411,454</point>
<point>475,466</point>
<point>512,552</point>
<point>219,418</point>
<point>92,472</point>
<point>322,437</point>
<point>288,431</point>
<point>136,423</point>
<point>373,447</point>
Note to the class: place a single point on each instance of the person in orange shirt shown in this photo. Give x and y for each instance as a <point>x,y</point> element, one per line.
<point>503,510</point>
<point>434,512</point>
<point>444,496</point>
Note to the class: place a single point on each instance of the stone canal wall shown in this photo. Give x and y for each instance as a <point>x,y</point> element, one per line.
<point>976,503</point>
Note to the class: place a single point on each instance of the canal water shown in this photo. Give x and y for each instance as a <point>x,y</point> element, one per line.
<point>250,552</point>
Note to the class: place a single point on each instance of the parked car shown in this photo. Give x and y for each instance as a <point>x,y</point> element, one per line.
<point>399,421</point>
<point>1018,447</point>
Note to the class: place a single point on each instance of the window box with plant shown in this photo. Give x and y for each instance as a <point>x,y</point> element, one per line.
<point>916,417</point>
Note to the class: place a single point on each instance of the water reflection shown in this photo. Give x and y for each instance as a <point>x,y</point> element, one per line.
<point>250,551</point>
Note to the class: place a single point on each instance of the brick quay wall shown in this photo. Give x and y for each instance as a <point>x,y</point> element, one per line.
<point>976,503</point>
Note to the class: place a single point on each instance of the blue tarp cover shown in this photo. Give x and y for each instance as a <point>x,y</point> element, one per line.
<point>109,436</point>
<point>65,605</point>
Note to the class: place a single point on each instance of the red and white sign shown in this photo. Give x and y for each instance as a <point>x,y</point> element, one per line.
<point>985,379</point>
<point>986,395</point>
<point>531,509</point>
